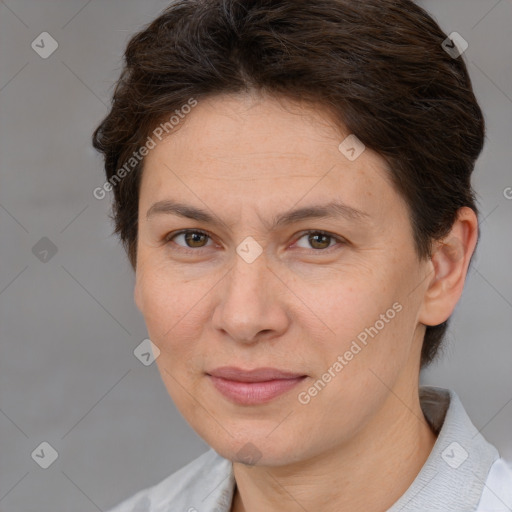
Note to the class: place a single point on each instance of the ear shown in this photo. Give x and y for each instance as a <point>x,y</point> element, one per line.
<point>449,263</point>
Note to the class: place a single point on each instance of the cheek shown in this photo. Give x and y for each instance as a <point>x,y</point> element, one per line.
<point>172,315</point>
<point>369,325</point>
<point>168,301</point>
<point>353,305</point>
<point>359,366</point>
<point>171,311</point>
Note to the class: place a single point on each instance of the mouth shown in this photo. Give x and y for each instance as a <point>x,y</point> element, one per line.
<point>252,387</point>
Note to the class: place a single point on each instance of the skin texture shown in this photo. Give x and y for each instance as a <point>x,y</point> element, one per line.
<point>360,442</point>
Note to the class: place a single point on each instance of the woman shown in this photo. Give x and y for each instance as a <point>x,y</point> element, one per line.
<point>292,185</point>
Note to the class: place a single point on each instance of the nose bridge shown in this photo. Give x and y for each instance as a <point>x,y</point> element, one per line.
<point>248,283</point>
<point>245,307</point>
<point>248,274</point>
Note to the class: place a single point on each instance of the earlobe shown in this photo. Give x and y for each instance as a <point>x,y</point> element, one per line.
<point>450,262</point>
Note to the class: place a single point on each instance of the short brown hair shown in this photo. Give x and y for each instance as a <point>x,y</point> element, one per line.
<point>377,65</point>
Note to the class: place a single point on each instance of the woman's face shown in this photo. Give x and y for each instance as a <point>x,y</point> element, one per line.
<point>341,310</point>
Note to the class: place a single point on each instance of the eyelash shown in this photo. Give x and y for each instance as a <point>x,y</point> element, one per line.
<point>168,239</point>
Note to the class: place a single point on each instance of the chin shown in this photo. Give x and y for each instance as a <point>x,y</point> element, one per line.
<point>254,450</point>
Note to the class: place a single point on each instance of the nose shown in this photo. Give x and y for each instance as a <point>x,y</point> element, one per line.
<point>251,303</point>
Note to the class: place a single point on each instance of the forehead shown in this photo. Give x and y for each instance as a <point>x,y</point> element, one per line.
<point>260,153</point>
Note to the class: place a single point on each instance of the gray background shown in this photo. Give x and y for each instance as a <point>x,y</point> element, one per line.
<point>69,326</point>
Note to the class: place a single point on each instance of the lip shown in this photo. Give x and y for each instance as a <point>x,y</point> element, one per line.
<point>255,375</point>
<point>256,386</point>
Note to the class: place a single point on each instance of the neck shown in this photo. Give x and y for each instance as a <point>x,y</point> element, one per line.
<point>369,474</point>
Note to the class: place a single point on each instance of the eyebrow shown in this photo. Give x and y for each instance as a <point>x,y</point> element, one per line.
<point>333,209</point>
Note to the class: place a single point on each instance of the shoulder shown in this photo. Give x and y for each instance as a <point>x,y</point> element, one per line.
<point>497,494</point>
<point>184,487</point>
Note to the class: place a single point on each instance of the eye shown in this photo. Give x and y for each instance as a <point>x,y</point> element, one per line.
<point>320,240</point>
<point>193,238</point>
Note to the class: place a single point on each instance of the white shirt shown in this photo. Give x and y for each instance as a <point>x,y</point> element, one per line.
<point>463,473</point>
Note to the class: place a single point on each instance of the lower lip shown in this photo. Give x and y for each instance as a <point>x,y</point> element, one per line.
<point>252,393</point>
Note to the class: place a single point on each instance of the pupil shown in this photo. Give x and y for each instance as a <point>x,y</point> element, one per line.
<point>317,236</point>
<point>194,237</point>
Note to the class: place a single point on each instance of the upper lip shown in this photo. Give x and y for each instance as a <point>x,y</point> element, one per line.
<point>254,375</point>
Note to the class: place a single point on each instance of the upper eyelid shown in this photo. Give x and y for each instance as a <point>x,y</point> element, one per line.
<point>173,234</point>
<point>168,238</point>
<point>321,232</point>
